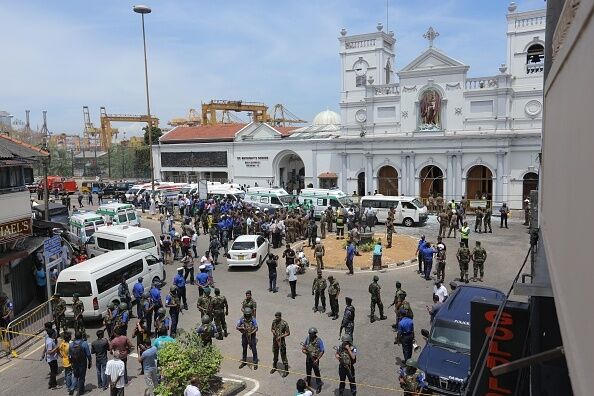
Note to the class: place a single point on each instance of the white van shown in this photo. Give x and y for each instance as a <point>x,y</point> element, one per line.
<point>84,224</point>
<point>97,279</point>
<point>233,194</point>
<point>409,210</point>
<point>321,198</point>
<point>121,237</point>
<point>271,198</point>
<point>119,213</point>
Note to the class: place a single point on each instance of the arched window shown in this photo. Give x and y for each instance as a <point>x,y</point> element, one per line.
<point>535,59</point>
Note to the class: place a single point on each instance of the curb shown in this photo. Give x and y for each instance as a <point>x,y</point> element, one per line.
<point>384,267</point>
<point>237,388</point>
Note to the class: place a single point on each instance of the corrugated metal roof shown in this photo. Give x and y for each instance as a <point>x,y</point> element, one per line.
<point>11,148</point>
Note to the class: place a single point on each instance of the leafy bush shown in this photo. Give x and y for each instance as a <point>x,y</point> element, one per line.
<point>362,247</point>
<point>186,358</point>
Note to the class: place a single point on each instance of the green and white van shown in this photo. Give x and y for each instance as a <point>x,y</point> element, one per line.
<point>320,198</point>
<point>116,213</point>
<point>84,224</point>
<point>268,198</point>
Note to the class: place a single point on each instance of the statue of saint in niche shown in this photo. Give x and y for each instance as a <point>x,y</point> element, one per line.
<point>430,106</point>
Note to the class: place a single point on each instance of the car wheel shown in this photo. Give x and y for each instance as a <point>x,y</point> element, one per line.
<point>408,222</point>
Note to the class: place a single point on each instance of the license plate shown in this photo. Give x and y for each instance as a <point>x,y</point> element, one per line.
<point>241,257</point>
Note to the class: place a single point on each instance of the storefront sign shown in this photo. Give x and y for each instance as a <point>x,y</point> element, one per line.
<point>507,345</point>
<point>15,230</point>
<point>206,159</point>
<point>252,162</point>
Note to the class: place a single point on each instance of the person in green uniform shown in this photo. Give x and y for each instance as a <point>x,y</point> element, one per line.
<point>479,255</point>
<point>376,299</point>
<point>280,330</point>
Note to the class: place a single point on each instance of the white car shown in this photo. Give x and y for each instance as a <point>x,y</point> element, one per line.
<point>247,251</point>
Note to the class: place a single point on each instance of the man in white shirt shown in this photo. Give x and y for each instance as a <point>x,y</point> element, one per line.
<point>292,270</point>
<point>115,372</point>
<point>192,388</point>
<point>440,291</point>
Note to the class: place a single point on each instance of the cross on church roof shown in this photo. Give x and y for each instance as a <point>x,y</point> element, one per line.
<point>431,35</point>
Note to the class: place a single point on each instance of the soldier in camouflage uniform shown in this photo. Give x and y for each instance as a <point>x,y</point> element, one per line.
<point>319,252</point>
<point>120,322</point>
<point>58,312</point>
<point>443,222</point>
<point>376,299</point>
<point>110,315</point>
<point>348,318</point>
<point>323,225</point>
<point>329,218</point>
<point>162,322</point>
<point>147,306</point>
<point>412,380</point>
<point>479,255</point>
<point>333,293</point>
<point>463,256</point>
<point>280,330</point>
<point>487,220</point>
<point>173,302</point>
<point>318,290</point>
<point>390,227</point>
<point>248,326</point>
<point>220,309</point>
<point>249,302</point>
<point>438,203</point>
<point>478,222</point>
<point>346,354</point>
<point>77,310</point>
<point>313,349</point>
<point>204,303</point>
<point>206,330</point>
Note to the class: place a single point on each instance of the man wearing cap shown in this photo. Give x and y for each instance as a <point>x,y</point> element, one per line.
<point>319,251</point>
<point>463,255</point>
<point>58,312</point>
<point>412,380</point>
<point>137,292</point>
<point>376,299</point>
<point>406,334</point>
<point>220,309</point>
<point>248,326</point>
<point>419,253</point>
<point>156,300</point>
<point>348,318</point>
<point>318,290</point>
<point>280,330</point>
<point>249,302</point>
<point>479,255</point>
<point>180,283</point>
<point>441,261</point>
<point>313,349</point>
<point>204,303</point>
<point>346,354</point>
<point>202,279</point>
<point>333,293</point>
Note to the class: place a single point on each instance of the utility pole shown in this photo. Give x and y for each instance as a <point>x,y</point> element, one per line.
<point>72,159</point>
<point>45,134</point>
<point>109,162</point>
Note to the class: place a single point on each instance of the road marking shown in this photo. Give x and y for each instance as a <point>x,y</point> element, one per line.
<point>255,382</point>
<point>22,357</point>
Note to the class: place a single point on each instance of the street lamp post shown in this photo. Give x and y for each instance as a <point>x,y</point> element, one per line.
<point>142,9</point>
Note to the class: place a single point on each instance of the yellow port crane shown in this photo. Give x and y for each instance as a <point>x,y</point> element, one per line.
<point>107,132</point>
<point>259,111</point>
<point>193,119</point>
<point>91,133</point>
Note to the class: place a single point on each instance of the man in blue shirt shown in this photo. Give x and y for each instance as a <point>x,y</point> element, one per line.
<point>248,326</point>
<point>202,279</point>
<point>419,253</point>
<point>406,334</point>
<point>148,359</point>
<point>180,283</point>
<point>156,299</point>
<point>313,349</point>
<point>351,250</point>
<point>428,253</point>
<point>137,291</point>
<point>79,354</point>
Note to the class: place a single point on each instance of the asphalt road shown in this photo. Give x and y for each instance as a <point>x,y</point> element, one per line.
<point>377,355</point>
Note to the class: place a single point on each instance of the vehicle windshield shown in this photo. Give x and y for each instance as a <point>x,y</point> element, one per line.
<point>286,199</point>
<point>451,335</point>
<point>243,245</point>
<point>67,289</point>
<point>185,190</point>
<point>345,201</point>
<point>132,191</point>
<point>418,203</point>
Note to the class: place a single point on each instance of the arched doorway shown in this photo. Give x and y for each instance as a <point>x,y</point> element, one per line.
<point>361,184</point>
<point>479,182</point>
<point>290,171</point>
<point>431,179</point>
<point>387,180</point>
<point>529,183</point>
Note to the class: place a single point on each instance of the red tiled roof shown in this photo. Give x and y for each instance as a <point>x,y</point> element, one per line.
<point>327,175</point>
<point>211,133</point>
<point>16,148</point>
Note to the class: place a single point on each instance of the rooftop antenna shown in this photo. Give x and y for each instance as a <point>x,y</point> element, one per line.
<point>387,15</point>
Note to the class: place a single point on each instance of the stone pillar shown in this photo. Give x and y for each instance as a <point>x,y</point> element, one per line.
<point>314,169</point>
<point>369,173</point>
<point>450,192</point>
<point>402,175</point>
<point>460,178</point>
<point>500,172</point>
<point>411,174</point>
<point>343,172</point>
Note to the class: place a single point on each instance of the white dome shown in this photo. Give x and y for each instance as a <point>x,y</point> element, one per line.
<point>326,117</point>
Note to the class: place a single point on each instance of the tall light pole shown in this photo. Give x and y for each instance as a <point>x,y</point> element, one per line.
<point>142,9</point>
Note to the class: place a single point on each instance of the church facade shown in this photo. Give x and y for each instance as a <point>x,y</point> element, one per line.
<point>427,129</point>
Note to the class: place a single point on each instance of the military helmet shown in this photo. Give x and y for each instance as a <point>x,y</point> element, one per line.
<point>375,278</point>
<point>110,305</point>
<point>312,331</point>
<point>146,294</point>
<point>161,311</point>
<point>217,291</point>
<point>346,338</point>
<point>205,319</point>
<point>207,291</point>
<point>330,277</point>
<point>410,362</point>
<point>478,243</point>
<point>56,294</point>
<point>123,306</point>
<point>247,311</point>
<point>278,314</point>
<point>75,295</point>
<point>398,284</point>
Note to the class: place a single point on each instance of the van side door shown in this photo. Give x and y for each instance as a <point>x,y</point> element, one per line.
<point>409,210</point>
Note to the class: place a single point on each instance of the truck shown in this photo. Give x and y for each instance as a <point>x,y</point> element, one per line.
<point>62,184</point>
<point>445,358</point>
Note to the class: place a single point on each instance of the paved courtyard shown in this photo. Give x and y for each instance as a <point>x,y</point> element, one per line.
<point>377,355</point>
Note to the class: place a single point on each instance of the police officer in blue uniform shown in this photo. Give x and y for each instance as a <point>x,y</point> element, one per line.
<point>156,300</point>
<point>137,292</point>
<point>406,334</point>
<point>180,283</point>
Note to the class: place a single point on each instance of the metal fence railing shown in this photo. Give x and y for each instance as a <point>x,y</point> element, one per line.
<point>25,328</point>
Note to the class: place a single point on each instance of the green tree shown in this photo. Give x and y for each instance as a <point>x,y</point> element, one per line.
<point>184,359</point>
<point>157,133</point>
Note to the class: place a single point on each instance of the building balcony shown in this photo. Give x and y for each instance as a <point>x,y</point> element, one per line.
<point>481,83</point>
<point>383,90</point>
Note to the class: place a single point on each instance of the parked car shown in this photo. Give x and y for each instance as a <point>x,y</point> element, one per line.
<point>445,359</point>
<point>247,251</point>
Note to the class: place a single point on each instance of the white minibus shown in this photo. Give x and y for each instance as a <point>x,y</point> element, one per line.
<point>121,237</point>
<point>408,210</point>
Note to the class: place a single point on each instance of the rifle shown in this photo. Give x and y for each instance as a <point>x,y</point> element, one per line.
<point>347,366</point>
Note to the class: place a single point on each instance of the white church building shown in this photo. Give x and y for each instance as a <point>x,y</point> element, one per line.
<point>428,128</point>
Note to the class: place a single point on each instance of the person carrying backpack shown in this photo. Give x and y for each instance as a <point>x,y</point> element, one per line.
<point>80,358</point>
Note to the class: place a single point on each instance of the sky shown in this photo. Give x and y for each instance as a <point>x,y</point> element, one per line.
<point>61,55</point>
